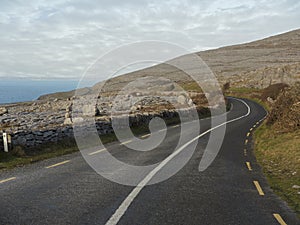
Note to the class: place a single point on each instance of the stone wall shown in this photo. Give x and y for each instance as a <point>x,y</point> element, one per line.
<point>31,139</point>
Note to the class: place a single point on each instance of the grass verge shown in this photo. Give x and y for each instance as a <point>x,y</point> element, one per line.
<point>279,156</point>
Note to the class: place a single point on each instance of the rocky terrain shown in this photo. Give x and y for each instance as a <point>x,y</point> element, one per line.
<point>257,65</point>
<point>37,122</point>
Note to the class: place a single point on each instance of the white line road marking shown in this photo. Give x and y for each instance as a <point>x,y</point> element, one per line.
<point>245,152</point>
<point>57,164</point>
<point>251,129</point>
<point>176,125</point>
<point>249,166</point>
<point>246,141</point>
<point>115,218</point>
<point>146,135</point>
<point>258,187</point>
<point>6,180</point>
<point>254,125</point>
<point>279,219</point>
<point>96,152</point>
<point>126,142</point>
<point>248,134</point>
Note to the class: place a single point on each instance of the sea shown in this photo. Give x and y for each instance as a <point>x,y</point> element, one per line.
<point>18,90</point>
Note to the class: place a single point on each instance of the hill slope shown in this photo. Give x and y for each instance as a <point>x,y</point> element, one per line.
<point>256,64</point>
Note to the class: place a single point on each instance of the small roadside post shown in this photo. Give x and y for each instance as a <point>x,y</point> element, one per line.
<point>5,142</point>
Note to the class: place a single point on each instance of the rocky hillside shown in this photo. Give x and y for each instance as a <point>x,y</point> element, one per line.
<point>256,64</point>
<point>260,63</point>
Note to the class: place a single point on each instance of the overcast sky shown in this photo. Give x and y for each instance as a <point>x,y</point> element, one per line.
<point>54,39</point>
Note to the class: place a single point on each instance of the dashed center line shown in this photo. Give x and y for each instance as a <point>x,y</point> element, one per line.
<point>246,141</point>
<point>251,129</point>
<point>249,166</point>
<point>96,152</point>
<point>258,187</point>
<point>248,134</point>
<point>279,219</point>
<point>126,142</point>
<point>6,180</point>
<point>57,164</point>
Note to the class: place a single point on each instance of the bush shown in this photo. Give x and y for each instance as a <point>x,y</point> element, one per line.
<point>285,113</point>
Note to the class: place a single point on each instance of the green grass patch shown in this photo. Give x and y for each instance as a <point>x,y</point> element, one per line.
<point>20,157</point>
<point>191,86</point>
<point>243,90</point>
<point>279,156</point>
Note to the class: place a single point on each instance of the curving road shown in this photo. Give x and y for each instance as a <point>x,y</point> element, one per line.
<point>233,190</point>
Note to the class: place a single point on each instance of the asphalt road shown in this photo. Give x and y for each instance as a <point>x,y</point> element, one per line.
<point>233,190</point>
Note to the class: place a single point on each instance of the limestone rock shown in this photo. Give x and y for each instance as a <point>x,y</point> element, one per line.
<point>68,121</point>
<point>3,111</point>
<point>181,99</point>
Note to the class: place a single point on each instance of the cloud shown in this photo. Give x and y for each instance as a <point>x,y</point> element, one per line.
<point>60,38</point>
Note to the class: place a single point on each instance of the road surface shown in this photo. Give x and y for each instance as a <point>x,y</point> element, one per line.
<point>233,190</point>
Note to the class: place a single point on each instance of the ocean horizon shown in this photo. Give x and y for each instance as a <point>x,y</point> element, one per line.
<point>12,91</point>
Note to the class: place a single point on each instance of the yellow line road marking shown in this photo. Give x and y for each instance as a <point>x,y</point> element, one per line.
<point>249,166</point>
<point>279,219</point>
<point>176,125</point>
<point>258,187</point>
<point>246,141</point>
<point>58,164</point>
<point>93,153</point>
<point>126,142</point>
<point>248,134</point>
<point>146,135</point>
<point>8,179</point>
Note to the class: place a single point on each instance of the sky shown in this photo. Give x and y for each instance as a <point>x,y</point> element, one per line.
<point>59,39</point>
